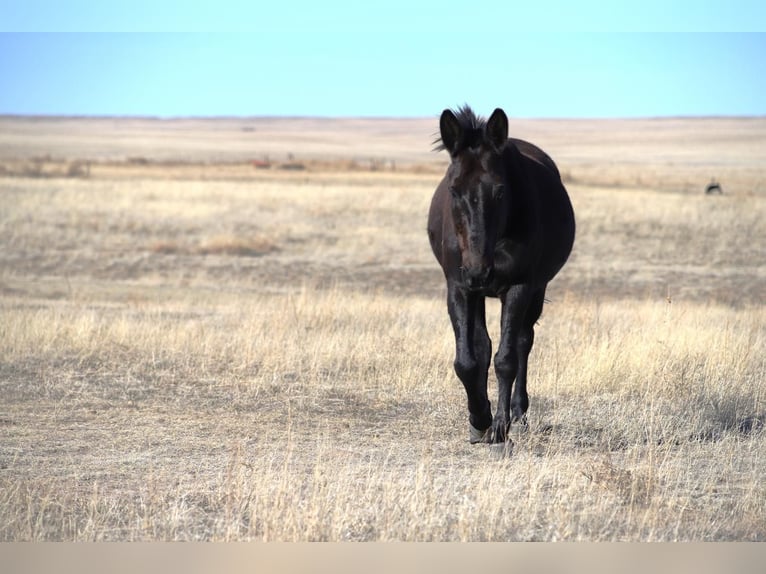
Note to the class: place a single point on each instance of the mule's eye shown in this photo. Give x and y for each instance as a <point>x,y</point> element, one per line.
<point>498,190</point>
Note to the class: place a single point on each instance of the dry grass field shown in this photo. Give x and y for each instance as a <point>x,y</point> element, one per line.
<point>195,349</point>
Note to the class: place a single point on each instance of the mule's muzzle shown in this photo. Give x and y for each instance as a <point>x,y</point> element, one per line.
<point>478,278</point>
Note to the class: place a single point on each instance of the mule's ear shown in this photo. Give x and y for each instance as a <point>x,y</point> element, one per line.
<point>450,131</point>
<point>497,129</point>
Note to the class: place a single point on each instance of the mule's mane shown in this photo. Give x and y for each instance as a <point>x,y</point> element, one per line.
<point>471,125</point>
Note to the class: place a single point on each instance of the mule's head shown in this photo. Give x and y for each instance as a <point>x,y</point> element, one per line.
<point>477,181</point>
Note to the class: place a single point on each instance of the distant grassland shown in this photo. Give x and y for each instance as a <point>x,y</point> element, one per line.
<point>193,348</point>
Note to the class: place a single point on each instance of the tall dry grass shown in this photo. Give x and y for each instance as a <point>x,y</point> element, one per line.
<point>299,418</point>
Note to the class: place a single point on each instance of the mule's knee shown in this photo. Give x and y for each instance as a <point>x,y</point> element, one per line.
<point>506,365</point>
<point>469,368</point>
<point>466,369</point>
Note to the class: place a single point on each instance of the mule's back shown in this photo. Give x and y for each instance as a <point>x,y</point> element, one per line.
<point>531,151</point>
<point>540,225</point>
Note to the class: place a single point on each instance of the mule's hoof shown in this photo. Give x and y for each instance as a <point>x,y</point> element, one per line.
<point>521,419</point>
<point>476,436</point>
<point>519,416</point>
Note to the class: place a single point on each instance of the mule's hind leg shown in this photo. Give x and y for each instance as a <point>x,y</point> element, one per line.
<point>524,341</point>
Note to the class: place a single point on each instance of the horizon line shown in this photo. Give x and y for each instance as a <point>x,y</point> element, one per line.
<point>213,117</point>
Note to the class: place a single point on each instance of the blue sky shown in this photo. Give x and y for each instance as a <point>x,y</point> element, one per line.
<point>395,58</point>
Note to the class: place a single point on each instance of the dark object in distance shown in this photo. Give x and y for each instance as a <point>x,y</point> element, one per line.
<point>713,187</point>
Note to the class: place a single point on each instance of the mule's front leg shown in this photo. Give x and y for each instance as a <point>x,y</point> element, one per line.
<point>506,367</point>
<point>508,360</point>
<point>473,350</point>
<point>524,342</point>
<point>522,307</point>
